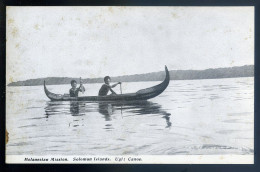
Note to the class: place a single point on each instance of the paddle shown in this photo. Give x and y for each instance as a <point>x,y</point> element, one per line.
<point>83,89</point>
<point>121,88</point>
<point>121,104</point>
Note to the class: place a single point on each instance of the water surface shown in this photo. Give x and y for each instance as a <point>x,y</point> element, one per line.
<point>189,118</point>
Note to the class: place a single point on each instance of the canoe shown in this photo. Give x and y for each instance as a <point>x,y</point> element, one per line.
<point>143,94</point>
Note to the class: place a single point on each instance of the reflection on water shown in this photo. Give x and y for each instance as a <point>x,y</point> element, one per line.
<point>106,109</point>
<point>74,108</point>
<point>136,108</point>
<point>78,108</point>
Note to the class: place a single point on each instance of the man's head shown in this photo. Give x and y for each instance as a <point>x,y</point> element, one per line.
<point>73,83</point>
<point>107,79</point>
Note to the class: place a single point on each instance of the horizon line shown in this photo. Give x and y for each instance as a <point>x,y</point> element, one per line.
<point>126,75</point>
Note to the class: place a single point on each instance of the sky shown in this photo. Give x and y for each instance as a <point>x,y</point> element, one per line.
<point>91,42</point>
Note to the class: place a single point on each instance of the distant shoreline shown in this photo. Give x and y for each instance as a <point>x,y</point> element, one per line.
<point>219,73</point>
<point>135,81</point>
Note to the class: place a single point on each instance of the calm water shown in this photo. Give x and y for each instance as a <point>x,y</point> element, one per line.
<point>189,117</point>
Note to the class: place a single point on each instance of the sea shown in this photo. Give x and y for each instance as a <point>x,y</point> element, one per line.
<point>191,117</point>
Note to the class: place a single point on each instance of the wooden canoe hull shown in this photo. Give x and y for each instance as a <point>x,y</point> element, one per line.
<point>143,94</point>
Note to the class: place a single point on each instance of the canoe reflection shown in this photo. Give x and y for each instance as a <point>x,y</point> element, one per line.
<point>107,109</point>
<point>74,108</point>
<point>59,108</point>
<point>135,108</point>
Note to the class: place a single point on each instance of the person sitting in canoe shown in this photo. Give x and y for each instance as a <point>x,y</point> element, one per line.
<point>107,87</point>
<point>74,91</point>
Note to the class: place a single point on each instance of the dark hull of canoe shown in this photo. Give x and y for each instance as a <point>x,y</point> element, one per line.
<point>143,94</point>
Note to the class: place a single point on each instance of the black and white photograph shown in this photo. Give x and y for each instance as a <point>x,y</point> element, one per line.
<point>130,84</point>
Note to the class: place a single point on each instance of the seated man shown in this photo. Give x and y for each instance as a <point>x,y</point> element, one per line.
<point>74,91</point>
<point>107,87</point>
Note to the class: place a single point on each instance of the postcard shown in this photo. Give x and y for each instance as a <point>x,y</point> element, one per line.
<point>130,85</point>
